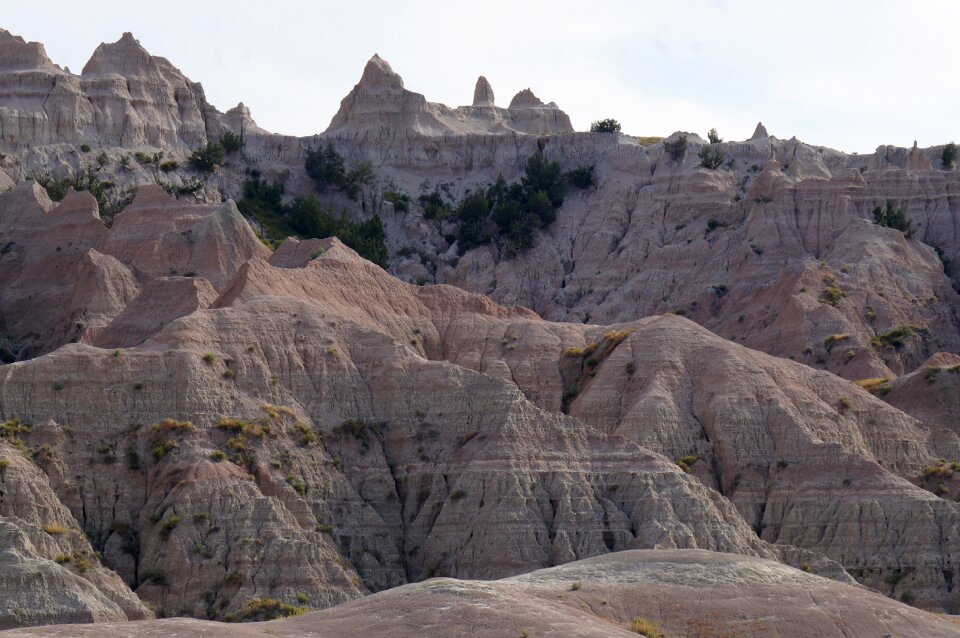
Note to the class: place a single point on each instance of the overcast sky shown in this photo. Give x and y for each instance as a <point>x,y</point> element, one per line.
<point>846,74</point>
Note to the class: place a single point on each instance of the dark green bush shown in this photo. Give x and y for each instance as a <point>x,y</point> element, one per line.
<point>231,143</point>
<point>206,158</point>
<point>608,125</point>
<point>713,136</point>
<point>710,158</point>
<point>949,155</point>
<point>400,201</point>
<point>893,218</point>
<point>581,177</point>
<point>326,167</point>
<point>676,149</point>
<point>434,207</point>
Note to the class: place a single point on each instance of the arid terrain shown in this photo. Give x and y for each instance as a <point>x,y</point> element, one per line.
<point>464,371</point>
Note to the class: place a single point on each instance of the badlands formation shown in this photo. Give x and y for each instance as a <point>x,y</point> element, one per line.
<point>649,417</point>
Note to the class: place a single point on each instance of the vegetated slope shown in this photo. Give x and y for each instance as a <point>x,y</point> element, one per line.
<point>647,592</point>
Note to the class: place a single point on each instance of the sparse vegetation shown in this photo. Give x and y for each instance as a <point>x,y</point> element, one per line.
<point>608,125</point>
<point>231,142</point>
<point>713,136</point>
<point>676,149</point>
<point>686,462</point>
<point>260,609</point>
<point>710,158</point>
<point>576,585</point>
<point>893,218</point>
<point>168,525</point>
<point>896,337</point>
<point>458,495</point>
<point>207,158</point>
<point>54,529</point>
<point>949,155</point>
<point>646,628</point>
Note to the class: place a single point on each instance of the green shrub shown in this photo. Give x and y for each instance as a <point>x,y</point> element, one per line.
<point>581,177</point>
<point>893,218</point>
<point>168,525</point>
<point>458,495</point>
<point>608,125</point>
<point>713,136</point>
<point>949,155</point>
<point>326,167</point>
<point>85,148</point>
<point>434,207</point>
<point>231,143</point>
<point>676,149</point>
<point>832,295</point>
<point>6,356</point>
<point>169,165</point>
<point>217,456</point>
<point>206,158</point>
<point>710,158</point>
<point>400,201</point>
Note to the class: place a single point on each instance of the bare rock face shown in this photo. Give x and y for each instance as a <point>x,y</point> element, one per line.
<point>48,571</point>
<point>380,105</point>
<point>124,97</point>
<point>483,93</point>
<point>680,592</point>
<point>65,276</point>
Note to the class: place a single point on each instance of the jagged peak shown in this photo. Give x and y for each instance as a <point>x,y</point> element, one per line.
<point>378,74</point>
<point>525,99</point>
<point>483,93</point>
<point>760,132</point>
<point>125,57</point>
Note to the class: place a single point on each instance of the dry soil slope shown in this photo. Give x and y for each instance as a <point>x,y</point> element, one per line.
<point>687,592</point>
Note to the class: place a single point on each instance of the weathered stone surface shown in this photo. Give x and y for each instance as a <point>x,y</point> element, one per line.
<point>684,592</point>
<point>48,571</point>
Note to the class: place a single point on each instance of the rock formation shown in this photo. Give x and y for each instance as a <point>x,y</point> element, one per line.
<point>483,93</point>
<point>123,97</point>
<point>669,366</point>
<point>682,593</point>
<point>379,103</point>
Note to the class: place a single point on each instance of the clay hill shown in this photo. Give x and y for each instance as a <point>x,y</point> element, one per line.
<point>718,397</point>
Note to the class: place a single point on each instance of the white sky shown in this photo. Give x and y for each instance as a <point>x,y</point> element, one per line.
<point>846,74</point>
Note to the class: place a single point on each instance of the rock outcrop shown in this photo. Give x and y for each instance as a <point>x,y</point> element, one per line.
<point>123,97</point>
<point>483,93</point>
<point>681,593</point>
<point>379,104</point>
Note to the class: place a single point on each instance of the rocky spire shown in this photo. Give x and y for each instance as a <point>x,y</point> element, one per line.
<point>378,75</point>
<point>760,132</point>
<point>483,93</point>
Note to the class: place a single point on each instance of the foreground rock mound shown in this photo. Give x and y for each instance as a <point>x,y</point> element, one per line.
<point>680,593</point>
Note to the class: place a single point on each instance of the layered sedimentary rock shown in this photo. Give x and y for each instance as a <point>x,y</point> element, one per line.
<point>380,105</point>
<point>48,571</point>
<point>123,97</point>
<point>680,593</point>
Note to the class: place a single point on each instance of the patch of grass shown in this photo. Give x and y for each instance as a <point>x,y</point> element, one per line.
<point>217,455</point>
<point>168,525</point>
<point>576,585</point>
<point>209,358</point>
<point>832,295</point>
<point>54,529</point>
<point>458,495</point>
<point>843,404</point>
<point>931,373</point>
<point>685,462</point>
<point>259,609</point>
<point>833,340</point>
<point>878,385</point>
<point>644,627</point>
<point>896,337</point>
<point>298,486</point>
